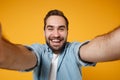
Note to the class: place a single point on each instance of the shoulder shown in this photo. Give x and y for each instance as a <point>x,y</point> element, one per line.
<point>36,47</point>
<point>75,45</point>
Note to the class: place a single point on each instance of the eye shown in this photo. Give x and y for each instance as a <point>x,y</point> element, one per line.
<point>50,28</point>
<point>62,29</point>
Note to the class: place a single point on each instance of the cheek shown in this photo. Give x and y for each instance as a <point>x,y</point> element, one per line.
<point>65,35</point>
<point>46,34</point>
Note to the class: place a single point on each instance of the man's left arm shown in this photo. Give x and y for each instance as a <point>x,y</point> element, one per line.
<point>102,48</point>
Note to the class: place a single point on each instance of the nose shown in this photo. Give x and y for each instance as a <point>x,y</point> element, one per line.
<point>56,33</point>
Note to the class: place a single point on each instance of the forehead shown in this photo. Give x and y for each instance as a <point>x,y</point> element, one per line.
<point>55,20</point>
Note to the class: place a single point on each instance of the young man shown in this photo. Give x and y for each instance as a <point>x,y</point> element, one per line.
<point>59,59</point>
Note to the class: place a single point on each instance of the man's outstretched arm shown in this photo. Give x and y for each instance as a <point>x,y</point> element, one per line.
<point>102,48</point>
<point>15,56</point>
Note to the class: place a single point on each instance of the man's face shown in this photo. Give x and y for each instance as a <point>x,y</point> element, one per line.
<point>56,33</point>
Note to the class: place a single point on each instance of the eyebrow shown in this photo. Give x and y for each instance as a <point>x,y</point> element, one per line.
<point>49,26</point>
<point>61,26</point>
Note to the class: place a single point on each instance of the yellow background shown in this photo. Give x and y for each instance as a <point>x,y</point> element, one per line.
<point>22,22</point>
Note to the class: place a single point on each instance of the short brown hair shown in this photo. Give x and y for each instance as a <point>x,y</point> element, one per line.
<point>57,13</point>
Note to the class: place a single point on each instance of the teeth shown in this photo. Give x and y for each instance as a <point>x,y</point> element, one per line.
<point>55,40</point>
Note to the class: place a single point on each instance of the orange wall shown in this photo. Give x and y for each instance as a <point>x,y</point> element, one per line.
<point>22,22</point>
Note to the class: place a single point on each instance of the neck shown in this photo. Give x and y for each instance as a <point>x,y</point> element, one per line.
<point>57,52</point>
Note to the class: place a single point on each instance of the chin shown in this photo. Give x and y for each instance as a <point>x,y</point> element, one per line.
<point>56,48</point>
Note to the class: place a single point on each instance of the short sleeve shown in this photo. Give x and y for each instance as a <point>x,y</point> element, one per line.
<point>76,49</point>
<point>37,50</point>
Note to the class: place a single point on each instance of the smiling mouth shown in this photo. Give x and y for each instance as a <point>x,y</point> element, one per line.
<point>56,40</point>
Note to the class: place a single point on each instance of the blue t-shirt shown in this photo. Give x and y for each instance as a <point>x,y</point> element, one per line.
<point>69,62</point>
